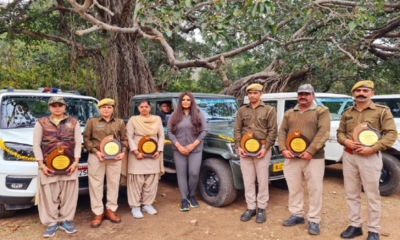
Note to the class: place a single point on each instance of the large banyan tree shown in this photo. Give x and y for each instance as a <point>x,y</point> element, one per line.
<point>331,43</point>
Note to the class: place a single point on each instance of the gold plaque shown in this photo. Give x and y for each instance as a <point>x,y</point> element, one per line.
<point>147,146</point>
<point>365,134</point>
<point>110,147</point>
<point>250,144</point>
<point>59,161</point>
<point>297,143</point>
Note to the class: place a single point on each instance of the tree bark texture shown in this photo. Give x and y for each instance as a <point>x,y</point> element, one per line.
<point>122,70</point>
<point>272,82</point>
<point>122,73</point>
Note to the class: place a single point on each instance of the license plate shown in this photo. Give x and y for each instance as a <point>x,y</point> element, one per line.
<point>277,167</point>
<point>82,171</point>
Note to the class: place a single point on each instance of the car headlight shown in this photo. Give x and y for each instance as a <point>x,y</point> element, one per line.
<point>21,149</point>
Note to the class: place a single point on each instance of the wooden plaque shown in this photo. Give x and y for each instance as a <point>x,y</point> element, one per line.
<point>110,147</point>
<point>365,134</point>
<point>147,146</point>
<point>59,161</point>
<point>297,143</point>
<point>250,144</point>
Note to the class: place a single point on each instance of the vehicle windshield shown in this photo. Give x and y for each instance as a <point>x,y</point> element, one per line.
<point>393,104</point>
<point>336,105</point>
<point>217,109</point>
<point>23,111</point>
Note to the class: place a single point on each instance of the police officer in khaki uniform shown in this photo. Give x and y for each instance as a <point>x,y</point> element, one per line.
<point>362,165</point>
<point>260,119</point>
<point>97,129</point>
<point>313,122</point>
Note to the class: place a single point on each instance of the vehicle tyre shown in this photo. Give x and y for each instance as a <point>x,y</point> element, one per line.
<point>281,184</point>
<point>4,213</point>
<point>216,182</point>
<point>389,182</point>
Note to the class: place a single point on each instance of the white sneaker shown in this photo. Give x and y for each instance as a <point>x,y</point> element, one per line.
<point>136,212</point>
<point>149,209</point>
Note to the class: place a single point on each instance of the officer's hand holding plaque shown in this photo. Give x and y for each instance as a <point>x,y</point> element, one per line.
<point>250,144</point>
<point>365,134</point>
<point>147,146</point>
<point>59,161</point>
<point>297,143</point>
<point>110,147</point>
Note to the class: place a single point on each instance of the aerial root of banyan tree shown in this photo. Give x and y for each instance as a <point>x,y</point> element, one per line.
<point>272,82</point>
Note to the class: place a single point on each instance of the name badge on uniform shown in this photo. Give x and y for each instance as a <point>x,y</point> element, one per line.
<point>100,126</point>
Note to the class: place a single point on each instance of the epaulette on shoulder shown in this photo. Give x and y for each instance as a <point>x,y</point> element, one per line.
<point>382,106</point>
<point>322,107</point>
<point>244,104</point>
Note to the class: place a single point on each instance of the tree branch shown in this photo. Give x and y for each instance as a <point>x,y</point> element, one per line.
<point>347,53</point>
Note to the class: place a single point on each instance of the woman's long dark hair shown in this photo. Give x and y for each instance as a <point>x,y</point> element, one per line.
<point>194,112</point>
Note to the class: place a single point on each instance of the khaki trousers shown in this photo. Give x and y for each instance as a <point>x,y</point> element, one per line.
<point>96,170</point>
<point>142,189</point>
<point>312,171</point>
<point>252,169</point>
<point>57,200</point>
<point>365,170</point>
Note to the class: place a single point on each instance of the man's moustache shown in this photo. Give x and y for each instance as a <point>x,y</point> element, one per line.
<point>361,96</point>
<point>303,99</point>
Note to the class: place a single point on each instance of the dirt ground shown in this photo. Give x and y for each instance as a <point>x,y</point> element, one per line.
<point>212,222</point>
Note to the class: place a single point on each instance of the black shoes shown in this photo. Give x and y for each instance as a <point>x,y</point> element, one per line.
<point>313,228</point>
<point>261,217</point>
<point>247,215</point>
<point>352,232</point>
<point>192,202</point>
<point>184,205</point>
<point>373,236</point>
<point>293,220</point>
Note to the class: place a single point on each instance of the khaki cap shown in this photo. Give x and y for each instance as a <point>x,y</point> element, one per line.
<point>254,87</point>
<point>106,101</point>
<point>364,84</point>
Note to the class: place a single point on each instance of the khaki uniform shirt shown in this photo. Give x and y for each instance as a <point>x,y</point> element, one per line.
<point>97,128</point>
<point>261,121</point>
<point>314,124</point>
<point>378,116</point>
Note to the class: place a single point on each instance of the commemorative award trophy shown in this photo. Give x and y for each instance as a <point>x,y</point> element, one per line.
<point>147,146</point>
<point>365,134</point>
<point>297,143</point>
<point>250,144</point>
<point>110,147</point>
<point>59,161</point>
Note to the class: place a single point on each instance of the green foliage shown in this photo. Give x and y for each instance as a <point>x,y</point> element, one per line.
<point>223,26</point>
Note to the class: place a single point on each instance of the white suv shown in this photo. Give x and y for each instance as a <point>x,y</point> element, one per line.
<point>19,110</point>
<point>337,103</point>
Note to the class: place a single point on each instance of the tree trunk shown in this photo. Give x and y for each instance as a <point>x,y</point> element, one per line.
<point>123,71</point>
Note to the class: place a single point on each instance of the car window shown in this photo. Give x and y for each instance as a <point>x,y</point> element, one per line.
<point>217,109</point>
<point>290,104</point>
<point>272,103</point>
<point>336,105</point>
<point>163,111</point>
<point>23,111</point>
<point>393,104</point>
